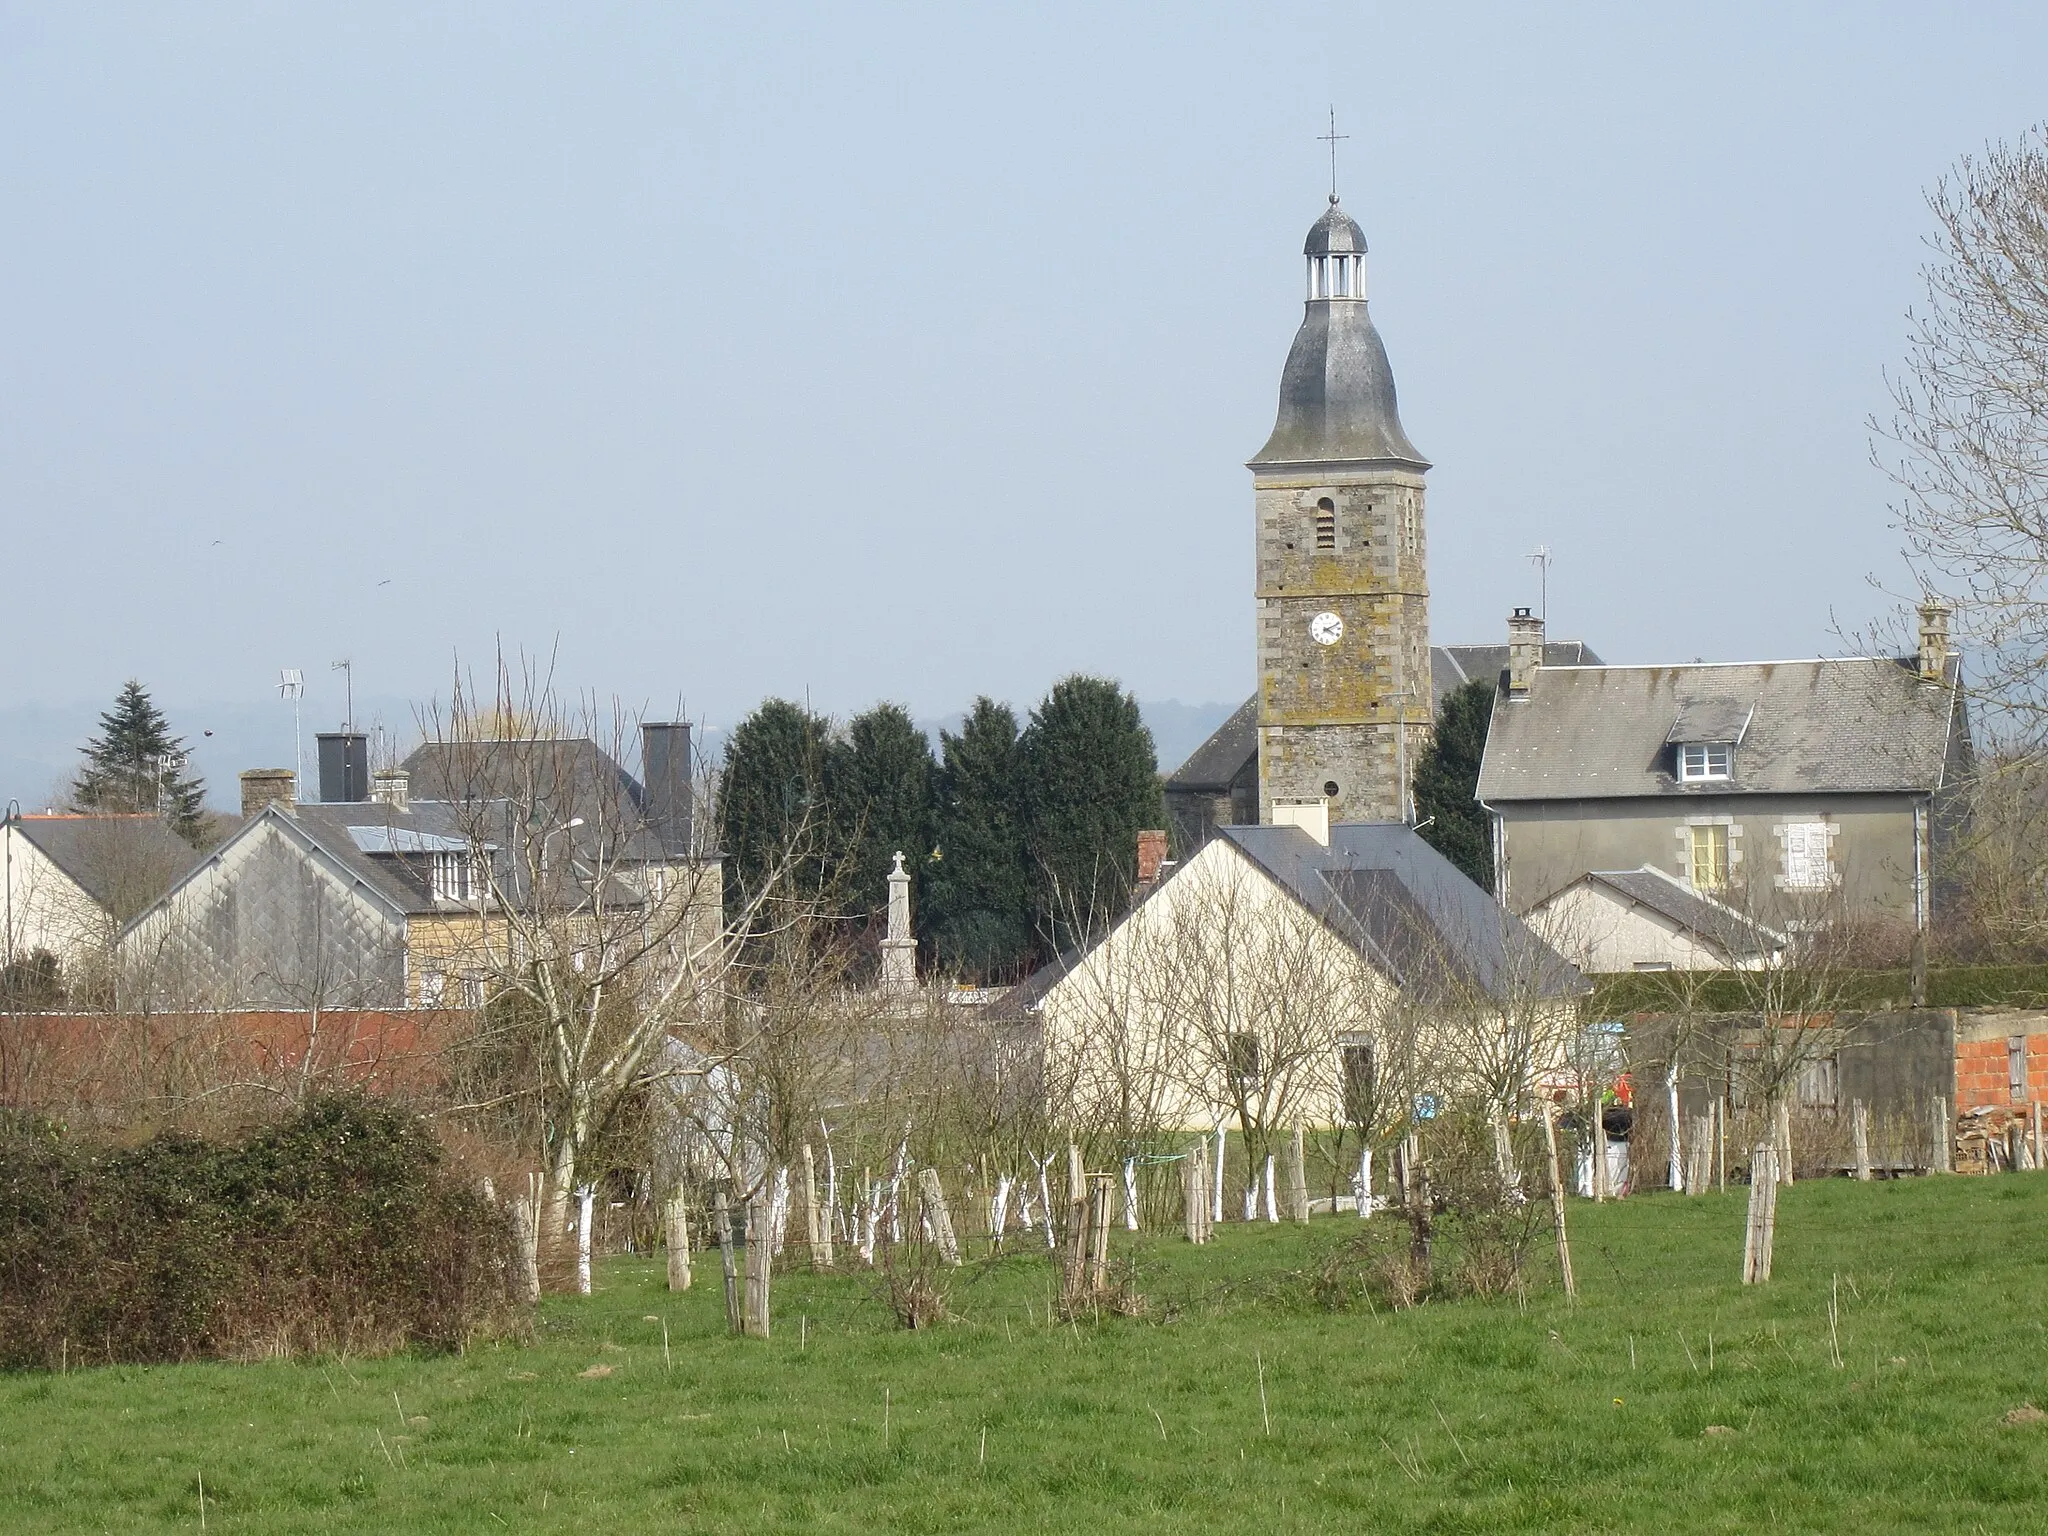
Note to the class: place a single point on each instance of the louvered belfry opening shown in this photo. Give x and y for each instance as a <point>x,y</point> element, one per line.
<point>1326,524</point>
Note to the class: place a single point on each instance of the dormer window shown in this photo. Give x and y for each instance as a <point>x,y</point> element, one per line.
<point>450,875</point>
<point>1701,762</point>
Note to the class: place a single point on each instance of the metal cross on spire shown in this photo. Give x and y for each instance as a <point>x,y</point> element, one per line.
<point>1332,138</point>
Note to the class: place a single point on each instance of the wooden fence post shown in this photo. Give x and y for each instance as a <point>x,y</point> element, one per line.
<point>721,1215</point>
<point>933,1193</point>
<point>1760,1232</point>
<point>1194,1183</point>
<point>1564,1247</point>
<point>1859,1131</point>
<point>1944,1135</point>
<point>1598,1170</point>
<point>760,1264</point>
<point>1098,1235</point>
<point>526,1247</point>
<point>1784,1148</point>
<point>678,1224</point>
<point>1297,1176</point>
<point>817,1219</point>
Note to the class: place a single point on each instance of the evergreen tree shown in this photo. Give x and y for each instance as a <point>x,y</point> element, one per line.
<point>135,764</point>
<point>979,902</point>
<point>772,801</point>
<point>1447,782</point>
<point>879,782</point>
<point>1088,783</point>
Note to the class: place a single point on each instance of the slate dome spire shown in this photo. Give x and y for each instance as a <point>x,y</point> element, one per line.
<point>1337,391</point>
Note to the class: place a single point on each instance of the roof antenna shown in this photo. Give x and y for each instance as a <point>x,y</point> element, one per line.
<point>347,669</point>
<point>1332,138</point>
<point>1540,558</point>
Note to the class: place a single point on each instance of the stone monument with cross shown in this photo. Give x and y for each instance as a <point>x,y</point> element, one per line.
<point>899,949</point>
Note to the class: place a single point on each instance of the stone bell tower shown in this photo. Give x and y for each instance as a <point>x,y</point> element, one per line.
<point>1343,602</point>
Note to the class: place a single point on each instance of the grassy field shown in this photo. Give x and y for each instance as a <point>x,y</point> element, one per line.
<point>1460,1417</point>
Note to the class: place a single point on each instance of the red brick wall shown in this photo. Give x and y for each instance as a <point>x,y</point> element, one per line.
<point>1982,1081</point>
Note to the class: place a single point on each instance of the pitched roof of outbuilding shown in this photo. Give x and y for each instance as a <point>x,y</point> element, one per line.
<point>1842,725</point>
<point>1719,924</point>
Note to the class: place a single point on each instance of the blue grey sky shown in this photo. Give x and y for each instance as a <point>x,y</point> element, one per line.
<point>887,352</point>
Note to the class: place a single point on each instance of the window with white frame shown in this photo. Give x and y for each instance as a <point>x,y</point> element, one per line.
<point>451,877</point>
<point>433,986</point>
<point>1703,761</point>
<point>1807,867</point>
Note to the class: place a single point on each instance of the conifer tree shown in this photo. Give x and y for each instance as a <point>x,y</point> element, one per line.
<point>772,801</point>
<point>979,902</point>
<point>1089,782</point>
<point>880,786</point>
<point>136,765</point>
<point>1447,782</point>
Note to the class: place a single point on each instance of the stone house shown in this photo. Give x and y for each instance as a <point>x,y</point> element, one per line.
<point>1787,789</point>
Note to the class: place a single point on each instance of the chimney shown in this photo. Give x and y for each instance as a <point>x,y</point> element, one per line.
<point>268,786</point>
<point>1525,651</point>
<point>665,775</point>
<point>1312,816</point>
<point>344,766</point>
<point>1934,640</point>
<point>1151,854</point>
<point>392,787</point>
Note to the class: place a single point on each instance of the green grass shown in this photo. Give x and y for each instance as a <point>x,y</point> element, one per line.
<point>1452,1418</point>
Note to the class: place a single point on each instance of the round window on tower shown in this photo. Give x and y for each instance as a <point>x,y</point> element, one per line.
<point>1330,789</point>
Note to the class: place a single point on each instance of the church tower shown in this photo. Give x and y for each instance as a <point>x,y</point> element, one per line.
<point>1343,603</point>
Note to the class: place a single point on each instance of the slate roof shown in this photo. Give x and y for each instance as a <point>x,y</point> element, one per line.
<point>364,840</point>
<point>1844,726</point>
<point>1230,749</point>
<point>121,862</point>
<point>1336,233</point>
<point>1234,745</point>
<point>1399,902</point>
<point>1672,899</point>
<point>571,774</point>
<point>1409,909</point>
<point>1451,667</point>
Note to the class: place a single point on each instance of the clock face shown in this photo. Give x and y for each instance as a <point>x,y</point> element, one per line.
<point>1326,629</point>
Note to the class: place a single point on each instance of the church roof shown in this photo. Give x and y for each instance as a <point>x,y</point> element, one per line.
<point>1337,390</point>
<point>1336,233</point>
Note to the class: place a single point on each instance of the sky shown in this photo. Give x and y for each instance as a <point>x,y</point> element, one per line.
<point>914,353</point>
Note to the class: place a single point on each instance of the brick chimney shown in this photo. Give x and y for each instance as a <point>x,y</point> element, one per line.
<point>1525,651</point>
<point>1934,640</point>
<point>1151,854</point>
<point>392,787</point>
<point>268,786</point>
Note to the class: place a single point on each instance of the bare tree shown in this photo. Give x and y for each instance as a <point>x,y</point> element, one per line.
<point>1967,440</point>
<point>596,941</point>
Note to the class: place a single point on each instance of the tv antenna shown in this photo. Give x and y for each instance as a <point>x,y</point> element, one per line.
<point>1540,557</point>
<point>347,669</point>
<point>291,684</point>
